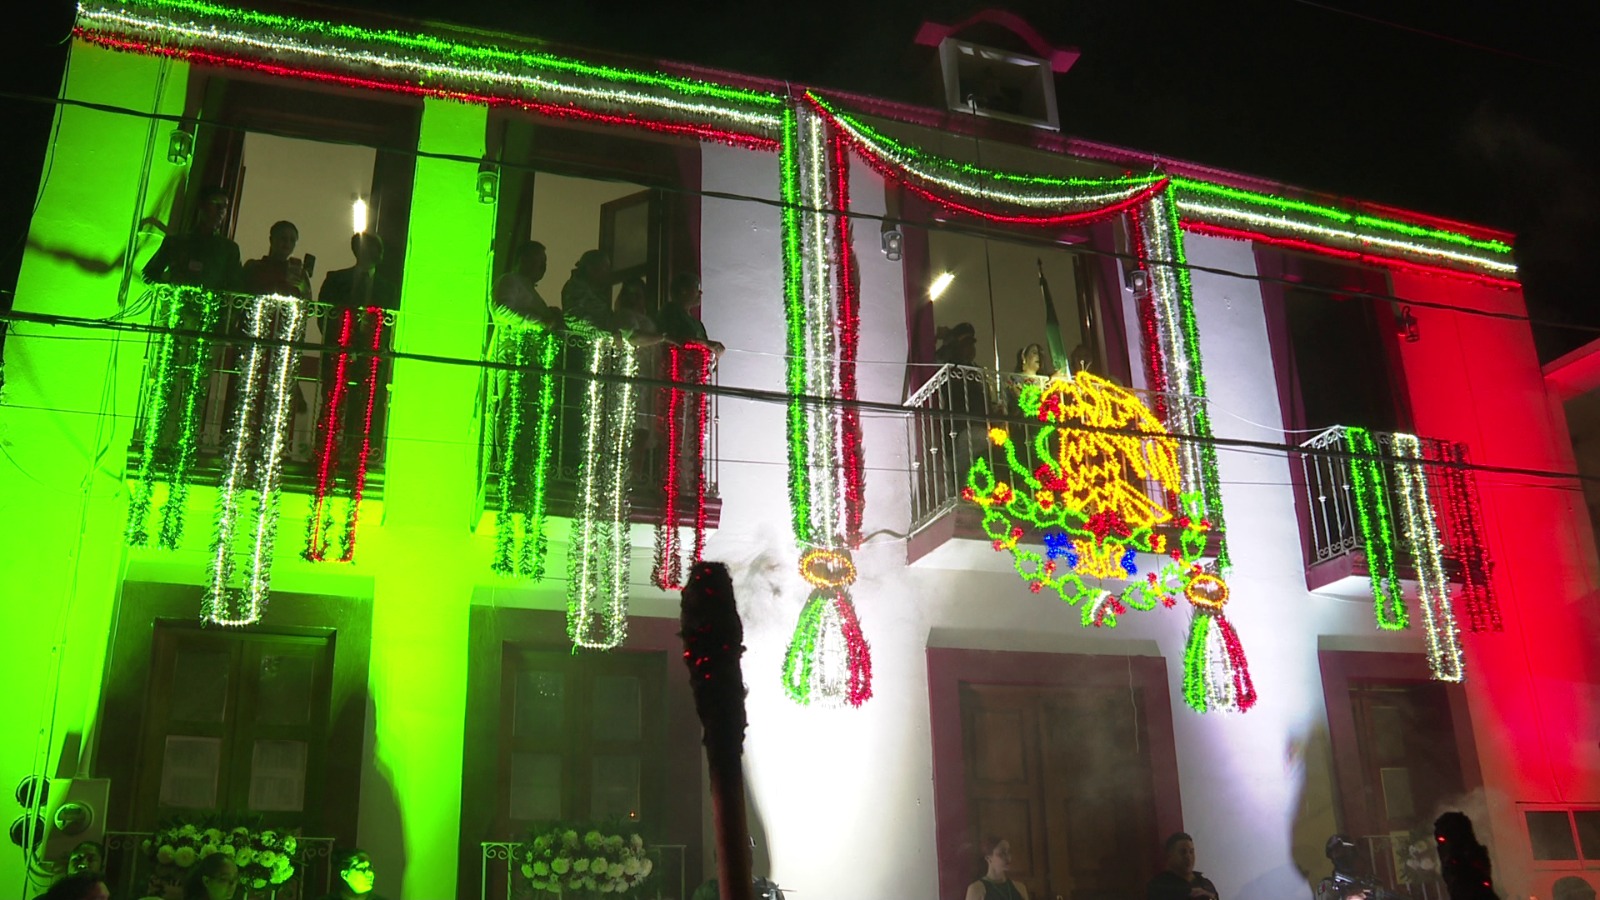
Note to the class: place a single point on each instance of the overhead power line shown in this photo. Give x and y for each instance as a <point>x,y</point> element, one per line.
<point>935,225</point>
<point>759,395</point>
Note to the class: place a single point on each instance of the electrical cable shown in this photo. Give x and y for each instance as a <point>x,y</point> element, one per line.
<point>781,397</point>
<point>936,224</point>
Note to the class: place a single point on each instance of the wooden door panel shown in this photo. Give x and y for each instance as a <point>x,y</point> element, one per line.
<point>1001,737</point>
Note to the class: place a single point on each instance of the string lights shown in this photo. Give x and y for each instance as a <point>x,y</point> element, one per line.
<point>1433,588</point>
<point>1369,494</point>
<point>1091,502</point>
<point>599,550</point>
<point>174,395</point>
<point>1466,536</point>
<point>525,450</point>
<point>335,440</point>
<point>682,359</point>
<point>253,464</point>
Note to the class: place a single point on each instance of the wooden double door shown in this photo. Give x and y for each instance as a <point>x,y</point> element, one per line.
<point>1064,774</point>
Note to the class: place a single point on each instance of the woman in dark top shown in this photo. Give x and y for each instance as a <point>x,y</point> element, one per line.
<point>996,883</point>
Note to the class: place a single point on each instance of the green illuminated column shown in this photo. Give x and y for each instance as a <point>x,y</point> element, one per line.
<point>423,589</point>
<point>67,418</point>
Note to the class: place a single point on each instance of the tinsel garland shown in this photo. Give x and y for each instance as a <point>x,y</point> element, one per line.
<point>179,373</point>
<point>1216,676</point>
<point>418,63</point>
<point>253,464</point>
<point>530,350</point>
<point>682,359</point>
<point>1008,197</point>
<point>1179,337</point>
<point>599,551</point>
<point>1231,212</point>
<point>1369,495</point>
<point>825,492</point>
<point>1466,537</point>
<point>320,521</point>
<point>1427,554</point>
<point>851,455</point>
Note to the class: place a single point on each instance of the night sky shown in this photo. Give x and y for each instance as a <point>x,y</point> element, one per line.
<point>1491,116</point>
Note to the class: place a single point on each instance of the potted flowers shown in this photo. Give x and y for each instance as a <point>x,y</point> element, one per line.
<point>563,861</point>
<point>266,858</point>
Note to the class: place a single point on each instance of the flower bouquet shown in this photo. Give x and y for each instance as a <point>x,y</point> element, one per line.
<point>1419,859</point>
<point>561,860</point>
<point>265,858</point>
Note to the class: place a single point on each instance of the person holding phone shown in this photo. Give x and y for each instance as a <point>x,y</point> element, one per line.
<point>279,272</point>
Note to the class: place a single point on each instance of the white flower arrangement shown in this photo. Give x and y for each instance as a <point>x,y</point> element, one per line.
<point>265,858</point>
<point>1421,861</point>
<point>560,861</point>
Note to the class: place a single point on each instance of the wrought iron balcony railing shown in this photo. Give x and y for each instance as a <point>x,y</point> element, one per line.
<point>951,417</point>
<point>671,431</point>
<point>1333,519</point>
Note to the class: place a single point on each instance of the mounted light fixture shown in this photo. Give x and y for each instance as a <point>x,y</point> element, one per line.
<point>893,242</point>
<point>180,147</point>
<point>940,285</point>
<point>358,216</point>
<point>488,182</point>
<point>1138,281</point>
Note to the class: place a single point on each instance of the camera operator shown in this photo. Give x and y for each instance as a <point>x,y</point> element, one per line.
<point>1348,881</point>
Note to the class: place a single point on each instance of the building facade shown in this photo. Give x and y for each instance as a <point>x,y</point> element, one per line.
<point>1282,550</point>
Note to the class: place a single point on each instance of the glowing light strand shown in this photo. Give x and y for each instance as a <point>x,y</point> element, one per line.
<point>1084,504</point>
<point>851,464</point>
<point>271,357</point>
<point>1433,588</point>
<point>828,661</point>
<point>319,522</point>
<point>1466,537</point>
<point>444,65</point>
<point>1369,495</point>
<point>375,390</point>
<point>525,457</point>
<point>1173,296</point>
<point>599,548</point>
<point>158,390</point>
<point>1197,226</point>
<point>668,570</point>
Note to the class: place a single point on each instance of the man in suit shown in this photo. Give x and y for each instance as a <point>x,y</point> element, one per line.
<point>360,285</point>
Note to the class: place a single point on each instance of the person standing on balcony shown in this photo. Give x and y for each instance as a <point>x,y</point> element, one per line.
<point>360,286</point>
<point>278,272</point>
<point>680,318</point>
<point>203,257</point>
<point>586,297</point>
<point>517,291</point>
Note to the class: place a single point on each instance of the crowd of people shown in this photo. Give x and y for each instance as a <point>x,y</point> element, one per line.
<point>586,301</point>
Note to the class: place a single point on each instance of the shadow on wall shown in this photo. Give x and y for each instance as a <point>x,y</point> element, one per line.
<point>1308,759</point>
<point>81,260</point>
<point>381,832</point>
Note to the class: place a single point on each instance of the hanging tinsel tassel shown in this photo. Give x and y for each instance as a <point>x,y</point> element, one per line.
<point>829,662</point>
<point>684,431</point>
<point>527,419</point>
<point>1216,675</point>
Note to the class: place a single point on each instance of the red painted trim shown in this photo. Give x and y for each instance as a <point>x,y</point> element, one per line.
<point>949,668</point>
<point>1339,668</point>
<point>1388,262</point>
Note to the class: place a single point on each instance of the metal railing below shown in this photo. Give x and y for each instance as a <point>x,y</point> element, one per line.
<point>668,879</point>
<point>129,870</point>
<point>1334,526</point>
<point>951,416</point>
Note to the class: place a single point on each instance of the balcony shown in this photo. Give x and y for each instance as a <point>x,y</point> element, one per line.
<point>193,382</point>
<point>950,419</point>
<point>1335,548</point>
<point>659,420</point>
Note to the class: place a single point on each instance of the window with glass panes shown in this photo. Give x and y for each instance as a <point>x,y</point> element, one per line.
<point>234,722</point>
<point>581,737</point>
